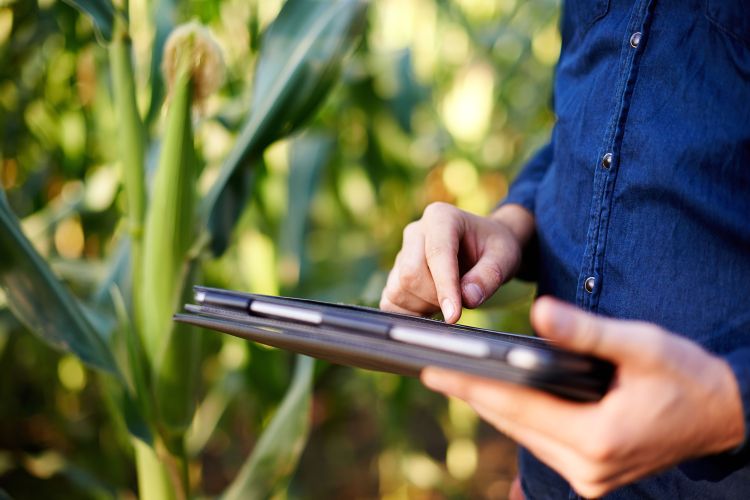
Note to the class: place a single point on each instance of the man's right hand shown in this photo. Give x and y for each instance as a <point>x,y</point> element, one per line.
<point>450,258</point>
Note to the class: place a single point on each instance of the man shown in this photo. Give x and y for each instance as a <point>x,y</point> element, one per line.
<point>636,219</point>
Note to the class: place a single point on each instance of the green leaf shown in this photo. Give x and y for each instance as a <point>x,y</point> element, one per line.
<point>43,304</point>
<point>209,412</point>
<point>130,133</point>
<point>102,14</point>
<point>299,63</point>
<point>137,373</point>
<point>164,14</point>
<point>125,412</point>
<point>153,477</point>
<point>309,155</point>
<point>277,452</point>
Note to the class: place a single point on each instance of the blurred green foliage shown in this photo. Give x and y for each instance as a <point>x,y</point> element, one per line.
<point>441,100</point>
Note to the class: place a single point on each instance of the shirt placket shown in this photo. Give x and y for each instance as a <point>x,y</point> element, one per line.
<point>608,162</point>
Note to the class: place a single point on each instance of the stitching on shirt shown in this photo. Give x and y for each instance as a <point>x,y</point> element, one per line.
<point>618,138</point>
<point>605,184</point>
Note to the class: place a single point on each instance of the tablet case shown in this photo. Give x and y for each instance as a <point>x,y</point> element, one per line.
<point>568,375</point>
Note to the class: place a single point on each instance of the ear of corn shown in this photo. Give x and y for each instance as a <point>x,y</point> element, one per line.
<point>298,66</point>
<point>194,68</point>
<point>169,224</point>
<point>177,379</point>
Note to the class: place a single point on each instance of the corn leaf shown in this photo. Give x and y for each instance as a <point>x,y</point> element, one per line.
<point>164,13</point>
<point>309,155</point>
<point>153,477</point>
<point>125,411</point>
<point>275,457</point>
<point>43,304</point>
<point>101,12</point>
<point>130,130</point>
<point>299,63</point>
<point>211,409</point>
<point>136,373</point>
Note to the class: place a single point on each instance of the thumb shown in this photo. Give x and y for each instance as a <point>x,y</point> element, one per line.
<point>586,333</point>
<point>482,280</point>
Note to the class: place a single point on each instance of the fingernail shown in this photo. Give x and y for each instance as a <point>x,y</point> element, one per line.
<point>474,295</point>
<point>448,309</point>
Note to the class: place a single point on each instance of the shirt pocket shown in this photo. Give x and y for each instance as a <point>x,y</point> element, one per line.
<point>579,15</point>
<point>730,16</point>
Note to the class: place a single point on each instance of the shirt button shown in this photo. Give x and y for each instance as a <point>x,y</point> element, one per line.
<point>588,285</point>
<point>635,39</point>
<point>607,161</point>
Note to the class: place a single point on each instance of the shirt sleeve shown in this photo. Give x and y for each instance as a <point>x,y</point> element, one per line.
<point>523,189</point>
<point>522,192</point>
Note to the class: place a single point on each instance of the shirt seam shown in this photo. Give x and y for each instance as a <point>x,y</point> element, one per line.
<point>602,182</point>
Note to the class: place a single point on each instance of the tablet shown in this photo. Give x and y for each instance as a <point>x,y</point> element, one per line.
<point>372,339</point>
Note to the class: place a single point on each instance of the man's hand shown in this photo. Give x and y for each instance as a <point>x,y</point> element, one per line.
<point>670,401</point>
<point>451,258</point>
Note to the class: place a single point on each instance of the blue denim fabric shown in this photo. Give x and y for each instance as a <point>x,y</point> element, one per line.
<point>664,227</point>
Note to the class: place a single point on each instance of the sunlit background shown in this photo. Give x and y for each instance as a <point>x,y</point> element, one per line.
<point>442,101</point>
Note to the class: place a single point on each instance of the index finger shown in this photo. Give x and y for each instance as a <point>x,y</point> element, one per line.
<point>441,253</point>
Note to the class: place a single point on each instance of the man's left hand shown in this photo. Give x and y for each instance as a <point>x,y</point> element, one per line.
<point>670,401</point>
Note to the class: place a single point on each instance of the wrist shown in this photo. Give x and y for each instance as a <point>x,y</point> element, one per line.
<point>517,219</point>
<point>731,422</point>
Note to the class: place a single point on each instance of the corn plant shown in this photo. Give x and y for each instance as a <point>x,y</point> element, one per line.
<point>149,367</point>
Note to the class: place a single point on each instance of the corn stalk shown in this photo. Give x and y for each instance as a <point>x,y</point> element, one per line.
<point>152,387</point>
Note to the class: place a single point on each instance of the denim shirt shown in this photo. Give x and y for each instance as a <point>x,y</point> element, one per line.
<point>642,196</point>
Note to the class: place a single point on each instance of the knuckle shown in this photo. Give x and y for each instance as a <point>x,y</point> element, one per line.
<point>384,304</point>
<point>393,297</point>
<point>589,333</point>
<point>437,208</point>
<point>601,449</point>
<point>494,273</point>
<point>409,276</point>
<point>409,229</point>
